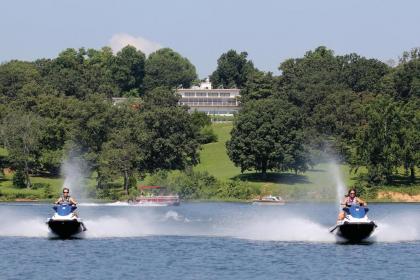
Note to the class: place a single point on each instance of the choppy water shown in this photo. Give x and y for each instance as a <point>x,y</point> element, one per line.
<point>208,241</point>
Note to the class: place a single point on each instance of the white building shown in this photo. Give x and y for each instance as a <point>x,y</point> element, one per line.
<point>204,98</point>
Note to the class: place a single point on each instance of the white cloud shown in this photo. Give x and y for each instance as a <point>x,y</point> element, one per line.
<point>120,40</point>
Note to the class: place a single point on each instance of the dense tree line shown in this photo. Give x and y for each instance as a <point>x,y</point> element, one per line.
<point>51,108</point>
<point>362,108</point>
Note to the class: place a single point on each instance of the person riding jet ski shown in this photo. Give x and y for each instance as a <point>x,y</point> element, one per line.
<point>349,200</point>
<point>66,198</point>
<point>65,222</point>
<point>353,223</point>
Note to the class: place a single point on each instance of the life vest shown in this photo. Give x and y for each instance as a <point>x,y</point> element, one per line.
<point>65,199</point>
<point>351,201</point>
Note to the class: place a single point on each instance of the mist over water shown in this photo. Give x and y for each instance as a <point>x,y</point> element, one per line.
<point>281,224</point>
<point>75,170</point>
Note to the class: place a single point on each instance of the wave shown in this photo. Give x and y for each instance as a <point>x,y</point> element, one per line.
<point>284,226</point>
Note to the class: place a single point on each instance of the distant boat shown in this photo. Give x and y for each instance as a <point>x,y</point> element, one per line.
<point>269,200</point>
<point>155,196</point>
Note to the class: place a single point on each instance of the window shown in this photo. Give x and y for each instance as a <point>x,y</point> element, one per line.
<point>225,94</point>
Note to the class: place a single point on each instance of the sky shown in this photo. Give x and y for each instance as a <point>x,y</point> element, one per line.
<point>269,31</point>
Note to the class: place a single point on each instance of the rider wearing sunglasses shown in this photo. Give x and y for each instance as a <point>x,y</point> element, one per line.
<point>350,199</point>
<point>66,198</point>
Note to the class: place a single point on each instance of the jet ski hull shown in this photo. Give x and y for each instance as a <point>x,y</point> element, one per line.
<point>355,232</point>
<point>66,228</point>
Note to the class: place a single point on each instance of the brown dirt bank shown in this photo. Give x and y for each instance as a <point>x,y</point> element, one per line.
<point>398,197</point>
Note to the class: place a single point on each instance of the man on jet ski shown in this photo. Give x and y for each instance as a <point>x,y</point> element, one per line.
<point>350,199</point>
<point>66,198</point>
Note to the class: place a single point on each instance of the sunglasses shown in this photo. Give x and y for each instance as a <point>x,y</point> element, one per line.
<point>352,193</point>
<point>65,192</point>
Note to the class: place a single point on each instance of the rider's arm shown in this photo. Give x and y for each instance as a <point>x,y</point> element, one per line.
<point>73,201</point>
<point>361,202</point>
<point>57,201</point>
<point>344,202</point>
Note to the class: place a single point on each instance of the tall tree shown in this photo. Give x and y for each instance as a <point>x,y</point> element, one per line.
<point>267,135</point>
<point>128,70</point>
<point>21,134</point>
<point>167,133</point>
<point>378,145</point>
<point>233,70</point>
<point>120,156</point>
<point>362,74</point>
<point>259,85</point>
<point>167,68</point>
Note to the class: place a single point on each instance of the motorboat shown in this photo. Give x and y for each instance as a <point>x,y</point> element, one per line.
<point>158,200</point>
<point>269,200</point>
<point>155,196</point>
<point>356,226</point>
<point>65,223</point>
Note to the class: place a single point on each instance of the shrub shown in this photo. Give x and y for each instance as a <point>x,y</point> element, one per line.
<point>19,180</point>
<point>207,135</point>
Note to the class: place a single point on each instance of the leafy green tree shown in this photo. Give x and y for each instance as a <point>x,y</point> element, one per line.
<point>19,78</point>
<point>410,141</point>
<point>259,85</point>
<point>233,70</point>
<point>91,129</point>
<point>378,145</point>
<point>267,135</point>
<point>167,68</point>
<point>21,133</point>
<point>168,135</point>
<point>202,122</point>
<point>362,74</point>
<point>120,156</point>
<point>406,77</point>
<point>128,70</point>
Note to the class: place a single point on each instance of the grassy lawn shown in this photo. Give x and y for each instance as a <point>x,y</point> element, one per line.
<point>214,158</point>
<point>318,182</point>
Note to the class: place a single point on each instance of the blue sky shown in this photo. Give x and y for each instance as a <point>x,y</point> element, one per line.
<point>201,30</point>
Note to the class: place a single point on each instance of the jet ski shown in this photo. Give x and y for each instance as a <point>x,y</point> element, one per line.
<point>65,222</point>
<point>356,225</point>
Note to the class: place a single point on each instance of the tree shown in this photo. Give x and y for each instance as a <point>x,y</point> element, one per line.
<point>259,85</point>
<point>362,74</point>
<point>202,122</point>
<point>406,77</point>
<point>91,129</point>
<point>378,143</point>
<point>19,79</point>
<point>128,70</point>
<point>21,133</point>
<point>120,156</point>
<point>267,135</point>
<point>232,71</point>
<point>168,135</point>
<point>169,69</point>
<point>410,141</point>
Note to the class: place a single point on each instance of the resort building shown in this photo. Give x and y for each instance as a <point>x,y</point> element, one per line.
<point>204,98</point>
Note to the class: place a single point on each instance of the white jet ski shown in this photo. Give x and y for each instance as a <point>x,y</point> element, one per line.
<point>65,222</point>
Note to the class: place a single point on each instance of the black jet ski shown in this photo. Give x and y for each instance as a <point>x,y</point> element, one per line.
<point>65,223</point>
<point>356,225</point>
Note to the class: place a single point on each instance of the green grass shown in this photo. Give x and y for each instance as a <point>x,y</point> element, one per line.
<point>213,156</point>
<point>318,183</point>
<point>3,152</point>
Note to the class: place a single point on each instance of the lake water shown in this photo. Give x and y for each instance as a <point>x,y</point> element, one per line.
<point>208,241</point>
